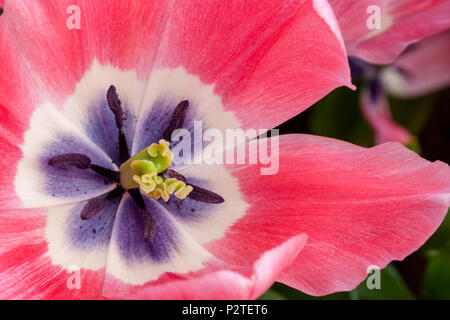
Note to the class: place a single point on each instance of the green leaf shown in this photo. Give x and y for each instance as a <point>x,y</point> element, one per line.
<point>392,287</point>
<point>412,113</point>
<point>338,116</point>
<point>272,294</point>
<point>283,292</point>
<point>441,237</point>
<point>436,284</point>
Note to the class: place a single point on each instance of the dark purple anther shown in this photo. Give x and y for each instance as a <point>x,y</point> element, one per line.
<point>115,105</point>
<point>77,160</point>
<point>95,205</point>
<point>198,194</point>
<point>82,162</point>
<point>92,207</point>
<point>177,120</point>
<point>203,195</point>
<point>176,175</point>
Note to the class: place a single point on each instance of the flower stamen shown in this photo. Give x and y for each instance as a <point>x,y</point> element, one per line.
<point>197,193</point>
<point>116,107</point>
<point>82,162</point>
<point>76,160</point>
<point>95,205</point>
<point>147,171</point>
<point>177,120</point>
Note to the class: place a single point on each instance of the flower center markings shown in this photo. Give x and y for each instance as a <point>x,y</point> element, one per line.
<point>147,171</point>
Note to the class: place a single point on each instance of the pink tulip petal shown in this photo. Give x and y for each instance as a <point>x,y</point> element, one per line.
<point>74,241</point>
<point>265,36</point>
<point>112,33</point>
<point>297,44</point>
<point>183,228</point>
<point>135,262</point>
<point>43,62</point>
<point>422,68</point>
<point>226,284</point>
<point>366,194</point>
<point>378,114</point>
<point>402,22</point>
<point>26,271</point>
<point>271,58</point>
<point>298,48</point>
<point>358,206</point>
<point>31,182</point>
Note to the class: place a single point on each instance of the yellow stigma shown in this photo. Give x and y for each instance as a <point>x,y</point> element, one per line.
<point>144,170</point>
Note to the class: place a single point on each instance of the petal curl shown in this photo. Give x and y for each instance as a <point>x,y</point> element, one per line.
<point>399,25</point>
<point>226,284</point>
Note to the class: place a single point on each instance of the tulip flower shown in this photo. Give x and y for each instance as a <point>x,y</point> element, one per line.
<point>415,68</point>
<point>377,31</point>
<point>93,204</point>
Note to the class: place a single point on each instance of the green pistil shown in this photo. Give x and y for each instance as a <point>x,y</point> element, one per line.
<point>143,169</point>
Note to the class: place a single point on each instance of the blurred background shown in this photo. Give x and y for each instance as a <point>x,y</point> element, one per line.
<point>426,273</point>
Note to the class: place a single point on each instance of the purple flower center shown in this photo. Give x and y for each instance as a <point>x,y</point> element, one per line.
<point>83,162</point>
